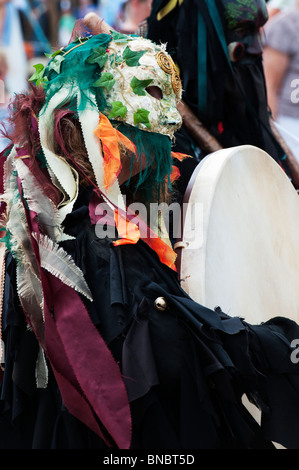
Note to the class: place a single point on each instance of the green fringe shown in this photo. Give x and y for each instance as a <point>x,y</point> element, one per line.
<point>151,178</point>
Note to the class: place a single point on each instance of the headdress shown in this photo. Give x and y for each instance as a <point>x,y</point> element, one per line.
<point>109,80</point>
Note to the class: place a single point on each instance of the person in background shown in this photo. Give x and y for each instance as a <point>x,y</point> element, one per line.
<point>84,7</point>
<point>37,20</point>
<point>133,12</point>
<point>110,11</point>
<point>218,49</point>
<point>41,12</point>
<point>11,40</point>
<point>276,6</point>
<point>281,65</point>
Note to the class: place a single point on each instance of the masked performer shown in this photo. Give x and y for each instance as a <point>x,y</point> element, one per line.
<point>101,346</point>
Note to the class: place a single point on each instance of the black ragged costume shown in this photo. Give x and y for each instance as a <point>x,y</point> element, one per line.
<point>185,368</point>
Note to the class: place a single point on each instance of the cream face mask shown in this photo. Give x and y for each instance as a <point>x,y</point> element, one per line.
<point>142,86</point>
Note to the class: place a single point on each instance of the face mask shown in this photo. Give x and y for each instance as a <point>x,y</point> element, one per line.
<point>144,86</point>
<point>243,23</point>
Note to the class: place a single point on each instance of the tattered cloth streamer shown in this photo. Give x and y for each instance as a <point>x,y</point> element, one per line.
<point>88,377</point>
<point>2,281</point>
<point>62,174</point>
<point>110,139</point>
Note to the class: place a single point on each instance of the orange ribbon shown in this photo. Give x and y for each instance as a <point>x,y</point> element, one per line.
<point>106,133</point>
<point>175,174</point>
<point>180,156</point>
<point>129,232</point>
<point>110,138</point>
<point>166,254</point>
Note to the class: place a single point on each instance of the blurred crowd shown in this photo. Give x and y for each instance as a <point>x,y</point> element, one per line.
<point>281,66</point>
<point>31,28</point>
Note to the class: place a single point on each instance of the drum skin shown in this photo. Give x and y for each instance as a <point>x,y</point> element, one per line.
<point>242,253</point>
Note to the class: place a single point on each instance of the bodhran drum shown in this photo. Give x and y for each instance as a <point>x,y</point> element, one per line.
<point>240,238</point>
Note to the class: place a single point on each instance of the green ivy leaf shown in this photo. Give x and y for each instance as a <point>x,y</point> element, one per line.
<point>141,116</point>
<point>118,110</point>
<point>53,54</point>
<point>43,81</point>
<point>138,86</point>
<point>132,57</point>
<point>105,81</point>
<point>119,37</point>
<point>39,73</point>
<point>99,57</point>
<point>55,64</point>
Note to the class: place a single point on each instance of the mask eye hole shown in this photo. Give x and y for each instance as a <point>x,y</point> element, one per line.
<point>155,92</point>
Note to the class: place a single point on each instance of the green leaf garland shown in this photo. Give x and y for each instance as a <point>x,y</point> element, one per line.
<point>99,57</point>
<point>39,73</point>
<point>119,37</point>
<point>106,80</point>
<point>118,110</point>
<point>55,64</point>
<point>132,57</point>
<point>141,116</point>
<point>53,54</point>
<point>38,76</point>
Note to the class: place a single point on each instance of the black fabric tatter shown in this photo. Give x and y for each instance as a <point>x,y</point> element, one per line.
<point>185,368</point>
